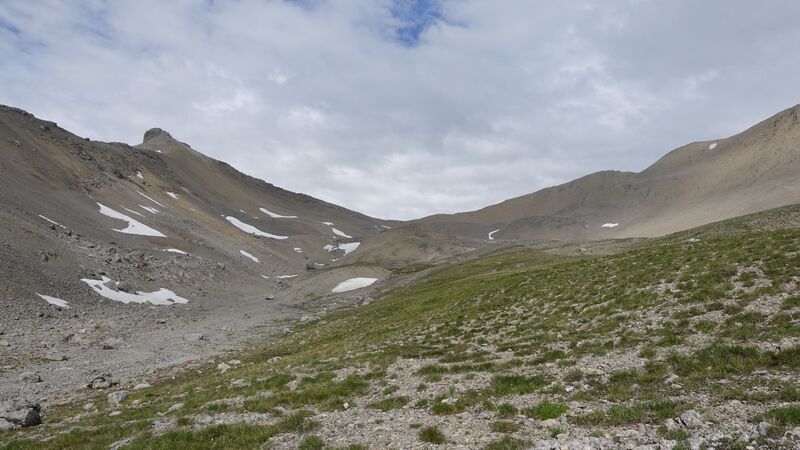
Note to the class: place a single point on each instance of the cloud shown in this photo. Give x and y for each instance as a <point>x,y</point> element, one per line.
<point>403,108</point>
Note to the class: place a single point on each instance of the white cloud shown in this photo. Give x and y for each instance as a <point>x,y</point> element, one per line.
<point>494,100</point>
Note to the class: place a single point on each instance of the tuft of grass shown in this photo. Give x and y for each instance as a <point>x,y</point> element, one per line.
<point>546,410</point>
<point>508,443</point>
<point>504,426</point>
<point>502,385</point>
<point>390,403</point>
<point>789,415</point>
<point>432,435</point>
<point>311,443</point>
<point>507,410</point>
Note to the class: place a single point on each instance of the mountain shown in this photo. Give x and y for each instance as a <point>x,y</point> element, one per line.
<point>96,235</point>
<point>698,183</point>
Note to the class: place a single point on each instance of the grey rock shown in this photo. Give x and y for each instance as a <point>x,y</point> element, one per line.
<point>21,413</point>
<point>194,337</point>
<point>6,425</point>
<point>762,428</point>
<point>111,344</point>
<point>175,407</point>
<point>692,419</point>
<point>141,386</point>
<point>101,382</point>
<point>671,425</point>
<point>223,367</point>
<point>239,383</point>
<point>116,398</point>
<point>30,377</point>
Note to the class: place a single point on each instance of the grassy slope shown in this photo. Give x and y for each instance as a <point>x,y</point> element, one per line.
<point>527,333</point>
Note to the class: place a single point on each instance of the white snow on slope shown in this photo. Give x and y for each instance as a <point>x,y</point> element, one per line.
<point>139,174</point>
<point>286,276</point>
<point>172,194</point>
<point>609,225</point>
<point>712,146</point>
<point>149,209</point>
<point>337,231</point>
<point>143,195</point>
<point>134,212</point>
<point>134,226</point>
<point>275,215</point>
<point>175,250</point>
<point>52,221</point>
<point>54,301</point>
<point>353,284</point>
<point>159,297</point>
<point>298,249</point>
<point>251,229</point>
<point>248,255</point>
<point>347,248</point>
<point>491,234</point>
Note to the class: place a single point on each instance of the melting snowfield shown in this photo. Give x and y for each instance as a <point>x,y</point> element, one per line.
<point>159,297</point>
<point>134,226</point>
<point>275,215</point>
<point>248,255</point>
<point>353,284</point>
<point>149,209</point>
<point>54,301</point>
<point>173,195</point>
<point>247,228</point>
<point>609,225</point>
<point>348,248</point>
<point>712,146</point>
<point>175,250</point>
<point>491,234</point>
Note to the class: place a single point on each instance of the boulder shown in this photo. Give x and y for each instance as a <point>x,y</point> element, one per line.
<point>692,419</point>
<point>20,413</point>
<point>111,344</point>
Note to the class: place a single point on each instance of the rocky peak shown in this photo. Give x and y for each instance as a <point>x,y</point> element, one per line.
<point>154,133</point>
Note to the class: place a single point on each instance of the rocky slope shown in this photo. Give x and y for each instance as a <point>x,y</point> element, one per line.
<point>688,341</point>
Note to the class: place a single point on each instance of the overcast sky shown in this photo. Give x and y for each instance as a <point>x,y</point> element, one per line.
<point>401,108</point>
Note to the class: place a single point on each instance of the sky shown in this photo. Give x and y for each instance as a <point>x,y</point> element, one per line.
<point>405,108</point>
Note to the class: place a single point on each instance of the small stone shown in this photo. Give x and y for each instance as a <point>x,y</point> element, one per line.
<point>692,419</point>
<point>30,377</point>
<point>114,413</point>
<point>194,337</point>
<point>222,367</point>
<point>175,407</point>
<point>762,428</point>
<point>141,386</point>
<point>116,398</point>
<point>21,413</point>
<point>111,344</point>
<point>89,406</point>
<point>6,425</point>
<point>239,383</point>
<point>346,405</point>
<point>671,425</point>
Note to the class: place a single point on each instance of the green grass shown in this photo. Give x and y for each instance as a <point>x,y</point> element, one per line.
<point>504,426</point>
<point>516,384</point>
<point>390,403</point>
<point>432,435</point>
<point>789,415</point>
<point>546,410</point>
<point>508,443</point>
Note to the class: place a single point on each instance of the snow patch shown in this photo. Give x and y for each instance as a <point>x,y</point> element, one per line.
<point>712,146</point>
<point>139,174</point>
<point>491,234</point>
<point>159,297</point>
<point>330,224</point>
<point>251,229</point>
<point>134,212</point>
<point>172,194</point>
<point>275,215</point>
<point>298,249</point>
<point>175,250</point>
<point>145,196</point>
<point>54,301</point>
<point>52,221</point>
<point>609,225</point>
<point>337,231</point>
<point>347,248</point>
<point>149,209</point>
<point>248,255</point>
<point>353,284</point>
<point>134,226</point>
